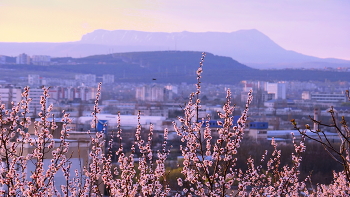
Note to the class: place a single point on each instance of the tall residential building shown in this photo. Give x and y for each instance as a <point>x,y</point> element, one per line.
<point>279,89</point>
<point>86,79</point>
<point>23,59</point>
<point>35,106</point>
<point>33,80</point>
<point>43,60</point>
<point>150,93</point>
<point>10,94</point>
<point>69,93</point>
<point>107,79</point>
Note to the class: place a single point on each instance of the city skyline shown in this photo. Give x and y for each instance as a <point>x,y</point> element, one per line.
<point>317,28</point>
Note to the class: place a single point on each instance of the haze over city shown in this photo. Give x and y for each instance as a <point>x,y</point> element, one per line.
<point>316,28</point>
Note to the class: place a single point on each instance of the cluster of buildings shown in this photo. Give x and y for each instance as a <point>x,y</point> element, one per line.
<point>81,89</point>
<point>43,60</point>
<point>156,93</point>
<point>274,102</point>
<point>24,59</point>
<point>267,91</point>
<point>10,94</point>
<point>269,94</point>
<point>89,80</point>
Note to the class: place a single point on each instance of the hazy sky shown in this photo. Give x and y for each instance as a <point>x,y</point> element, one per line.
<point>313,27</point>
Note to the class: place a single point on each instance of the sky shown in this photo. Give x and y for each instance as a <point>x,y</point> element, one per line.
<point>319,28</point>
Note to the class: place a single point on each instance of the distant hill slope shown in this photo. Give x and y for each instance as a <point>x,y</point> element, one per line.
<point>250,47</point>
<point>165,67</point>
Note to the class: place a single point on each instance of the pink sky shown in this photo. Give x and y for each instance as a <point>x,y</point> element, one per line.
<point>312,27</point>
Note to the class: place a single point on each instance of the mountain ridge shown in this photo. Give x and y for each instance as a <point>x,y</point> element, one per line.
<point>250,47</point>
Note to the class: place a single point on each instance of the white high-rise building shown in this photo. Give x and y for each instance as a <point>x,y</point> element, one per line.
<point>23,59</point>
<point>35,94</point>
<point>150,93</point>
<point>279,89</point>
<point>86,79</point>
<point>33,80</point>
<point>10,94</point>
<point>43,60</point>
<point>70,93</point>
<point>107,79</point>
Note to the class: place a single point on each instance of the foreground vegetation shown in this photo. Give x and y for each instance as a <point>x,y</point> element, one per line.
<point>209,165</point>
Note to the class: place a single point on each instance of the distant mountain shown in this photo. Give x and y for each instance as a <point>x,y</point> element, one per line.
<point>250,47</point>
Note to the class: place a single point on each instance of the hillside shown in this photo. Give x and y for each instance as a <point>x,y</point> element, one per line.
<point>165,67</point>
